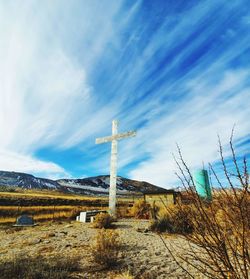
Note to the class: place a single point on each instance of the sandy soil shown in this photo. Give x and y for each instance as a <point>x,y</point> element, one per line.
<point>143,253</point>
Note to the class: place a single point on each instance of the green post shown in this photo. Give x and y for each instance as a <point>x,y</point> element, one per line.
<point>202,185</point>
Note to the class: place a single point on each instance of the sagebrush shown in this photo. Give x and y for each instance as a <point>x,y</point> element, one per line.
<point>106,248</point>
<point>174,220</point>
<point>219,244</point>
<point>103,221</point>
<point>141,209</point>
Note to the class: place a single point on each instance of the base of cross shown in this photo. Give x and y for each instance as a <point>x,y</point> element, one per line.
<point>113,161</point>
<point>87,216</point>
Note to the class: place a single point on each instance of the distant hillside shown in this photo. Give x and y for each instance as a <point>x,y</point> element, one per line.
<point>26,181</point>
<point>97,186</point>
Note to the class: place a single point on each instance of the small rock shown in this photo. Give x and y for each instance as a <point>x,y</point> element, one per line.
<point>36,241</point>
<point>51,234</point>
<point>46,241</point>
<point>68,226</point>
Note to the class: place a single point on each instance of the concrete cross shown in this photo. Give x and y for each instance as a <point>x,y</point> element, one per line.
<point>113,162</point>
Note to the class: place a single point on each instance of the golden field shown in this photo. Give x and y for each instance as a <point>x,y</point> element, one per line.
<point>48,205</point>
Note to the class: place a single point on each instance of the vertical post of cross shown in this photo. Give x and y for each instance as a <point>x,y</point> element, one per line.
<point>113,170</point>
<point>113,161</point>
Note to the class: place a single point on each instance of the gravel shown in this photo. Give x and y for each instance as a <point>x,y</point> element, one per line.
<point>143,252</point>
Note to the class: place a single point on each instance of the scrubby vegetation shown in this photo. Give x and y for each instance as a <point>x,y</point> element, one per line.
<point>8,214</point>
<point>140,210</point>
<point>106,248</point>
<point>48,205</point>
<point>176,219</point>
<point>103,221</point>
<point>21,267</point>
<point>219,242</point>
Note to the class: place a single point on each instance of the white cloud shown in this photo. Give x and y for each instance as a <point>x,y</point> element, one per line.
<point>51,53</point>
<point>194,125</point>
<point>45,95</point>
<point>40,86</point>
<point>24,163</point>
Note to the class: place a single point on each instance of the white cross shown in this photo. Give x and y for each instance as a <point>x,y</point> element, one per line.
<point>113,162</point>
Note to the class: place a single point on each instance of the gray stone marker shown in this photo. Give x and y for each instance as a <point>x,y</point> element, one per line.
<point>24,220</point>
<point>113,162</point>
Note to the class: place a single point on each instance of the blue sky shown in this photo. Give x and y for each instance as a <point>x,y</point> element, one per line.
<point>176,71</point>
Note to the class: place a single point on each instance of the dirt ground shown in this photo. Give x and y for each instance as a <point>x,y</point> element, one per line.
<point>143,253</point>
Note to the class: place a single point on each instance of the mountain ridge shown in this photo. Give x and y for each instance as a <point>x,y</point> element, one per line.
<point>96,185</point>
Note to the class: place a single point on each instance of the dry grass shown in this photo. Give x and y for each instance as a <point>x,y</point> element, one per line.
<point>141,210</point>
<point>106,248</point>
<point>219,243</point>
<point>61,215</point>
<point>49,205</point>
<point>175,219</point>
<point>124,211</point>
<point>21,267</point>
<point>8,214</point>
<point>48,198</point>
<point>17,210</point>
<point>103,221</point>
<point>7,220</point>
<point>55,194</point>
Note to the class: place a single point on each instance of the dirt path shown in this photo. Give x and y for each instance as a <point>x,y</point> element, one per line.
<point>144,253</point>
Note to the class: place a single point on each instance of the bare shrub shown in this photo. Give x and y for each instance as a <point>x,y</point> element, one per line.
<point>103,221</point>
<point>174,220</point>
<point>123,212</point>
<point>162,224</point>
<point>219,244</point>
<point>22,267</point>
<point>106,248</point>
<point>141,209</point>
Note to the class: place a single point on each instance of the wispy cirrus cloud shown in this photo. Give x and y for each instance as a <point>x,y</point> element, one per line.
<point>198,92</point>
<point>177,73</point>
<point>44,89</point>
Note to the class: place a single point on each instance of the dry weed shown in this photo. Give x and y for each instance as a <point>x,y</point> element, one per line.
<point>22,267</point>
<point>219,244</point>
<point>140,210</point>
<point>106,248</point>
<point>103,221</point>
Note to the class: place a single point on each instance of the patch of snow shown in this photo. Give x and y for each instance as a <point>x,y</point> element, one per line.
<point>106,180</point>
<point>95,181</point>
<point>49,184</point>
<point>94,189</point>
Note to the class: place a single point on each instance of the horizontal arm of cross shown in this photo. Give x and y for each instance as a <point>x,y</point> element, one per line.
<point>116,137</point>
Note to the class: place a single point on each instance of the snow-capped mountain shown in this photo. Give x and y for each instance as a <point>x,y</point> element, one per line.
<point>26,181</point>
<point>98,185</point>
